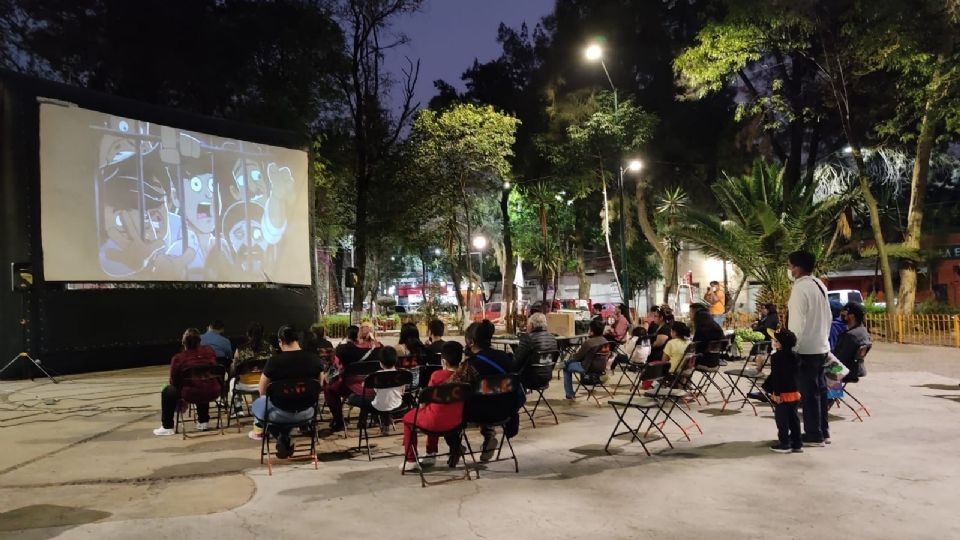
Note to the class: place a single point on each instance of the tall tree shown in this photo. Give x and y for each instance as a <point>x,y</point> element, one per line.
<point>366,86</point>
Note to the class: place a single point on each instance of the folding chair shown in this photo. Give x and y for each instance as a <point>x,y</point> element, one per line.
<point>536,378</point>
<point>191,379</point>
<point>412,364</point>
<point>708,366</point>
<point>567,347</point>
<point>630,367</point>
<point>352,374</point>
<point>291,396</point>
<point>678,392</point>
<point>852,379</point>
<point>493,404</point>
<point>381,380</point>
<point>594,370</point>
<point>442,394</point>
<point>655,371</point>
<point>757,357</point>
<point>246,382</point>
<point>426,372</point>
<point>432,359</point>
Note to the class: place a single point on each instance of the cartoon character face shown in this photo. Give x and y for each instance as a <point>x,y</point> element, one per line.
<point>125,227</point>
<point>249,181</point>
<point>249,249</point>
<point>198,201</point>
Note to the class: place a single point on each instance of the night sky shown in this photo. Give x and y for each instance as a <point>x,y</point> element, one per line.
<point>448,34</point>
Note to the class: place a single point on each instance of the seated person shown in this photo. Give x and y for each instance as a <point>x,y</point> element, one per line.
<point>706,330</point>
<point>321,333</point>
<point>383,399</point>
<point>637,349</point>
<point>619,326</point>
<point>290,363</point>
<point>256,348</point>
<point>768,319</point>
<point>335,391</point>
<point>588,348</point>
<point>214,338</point>
<point>409,343</point>
<point>176,393</point>
<point>849,342</point>
<point>537,340</point>
<point>837,324</point>
<point>487,362</point>
<point>436,416</point>
<point>434,338</point>
<point>675,348</point>
<point>367,338</point>
<point>660,334</point>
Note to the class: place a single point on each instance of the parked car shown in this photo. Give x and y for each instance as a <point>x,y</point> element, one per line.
<point>845,296</point>
<point>493,312</point>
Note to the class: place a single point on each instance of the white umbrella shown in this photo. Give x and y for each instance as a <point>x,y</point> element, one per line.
<point>518,281</point>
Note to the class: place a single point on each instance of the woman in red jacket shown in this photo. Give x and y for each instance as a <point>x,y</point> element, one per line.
<point>176,392</point>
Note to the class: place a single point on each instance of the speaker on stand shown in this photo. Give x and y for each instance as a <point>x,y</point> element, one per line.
<point>21,281</point>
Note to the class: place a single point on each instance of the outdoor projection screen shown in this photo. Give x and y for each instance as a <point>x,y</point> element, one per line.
<point>127,200</point>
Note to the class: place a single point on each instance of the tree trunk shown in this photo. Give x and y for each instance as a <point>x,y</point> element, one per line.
<point>882,257</point>
<point>423,287</point>
<point>583,282</point>
<point>918,191</point>
<point>507,307</point>
<point>669,273</point>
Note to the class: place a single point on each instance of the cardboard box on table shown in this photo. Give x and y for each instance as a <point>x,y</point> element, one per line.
<point>561,324</point>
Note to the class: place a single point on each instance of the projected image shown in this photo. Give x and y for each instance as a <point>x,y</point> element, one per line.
<point>176,205</point>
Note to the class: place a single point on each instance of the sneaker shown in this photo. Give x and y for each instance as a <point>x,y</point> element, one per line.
<point>429,460</point>
<point>812,442</point>
<point>780,449</point>
<point>284,446</point>
<point>409,466</point>
<point>826,440</point>
<point>796,450</point>
<point>202,426</point>
<point>571,398</point>
<point>164,432</point>
<point>256,433</point>
<point>489,447</point>
<point>759,396</point>
<point>386,429</point>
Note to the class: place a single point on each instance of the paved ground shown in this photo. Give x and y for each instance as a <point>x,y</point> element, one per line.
<point>78,461</point>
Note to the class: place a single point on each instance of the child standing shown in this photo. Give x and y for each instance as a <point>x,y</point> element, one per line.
<point>783,385</point>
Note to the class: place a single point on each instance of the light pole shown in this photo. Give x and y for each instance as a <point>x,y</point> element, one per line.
<point>593,53</point>
<point>480,243</point>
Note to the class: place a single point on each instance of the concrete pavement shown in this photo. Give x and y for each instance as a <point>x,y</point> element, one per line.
<point>79,461</point>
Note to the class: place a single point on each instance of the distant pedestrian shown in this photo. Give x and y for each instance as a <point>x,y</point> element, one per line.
<point>783,385</point>
<point>717,298</point>
<point>809,318</point>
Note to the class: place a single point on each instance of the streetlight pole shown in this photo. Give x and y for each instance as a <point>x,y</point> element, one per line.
<point>595,52</point>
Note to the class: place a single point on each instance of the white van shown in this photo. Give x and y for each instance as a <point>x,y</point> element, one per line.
<point>845,296</point>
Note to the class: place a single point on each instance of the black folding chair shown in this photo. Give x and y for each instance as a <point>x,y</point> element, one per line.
<point>654,371</point>
<point>567,347</point>
<point>198,377</point>
<point>677,394</point>
<point>594,371</point>
<point>630,368</point>
<point>291,396</point>
<point>352,373</point>
<point>493,404</point>
<point>249,370</point>
<point>440,395</point>
<point>536,378</point>
<point>411,363</point>
<point>853,378</point>
<point>757,358</point>
<point>381,380</point>
<point>708,366</point>
<point>426,372</point>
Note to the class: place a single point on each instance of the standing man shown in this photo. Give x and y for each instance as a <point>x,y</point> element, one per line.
<point>214,339</point>
<point>809,318</point>
<point>716,297</point>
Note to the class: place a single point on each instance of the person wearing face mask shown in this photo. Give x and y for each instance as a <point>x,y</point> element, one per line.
<point>809,318</point>
<point>856,336</point>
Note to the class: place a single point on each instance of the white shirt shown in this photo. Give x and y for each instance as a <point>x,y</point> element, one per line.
<point>388,399</point>
<point>809,316</point>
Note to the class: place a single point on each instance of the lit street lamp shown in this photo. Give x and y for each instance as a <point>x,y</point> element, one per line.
<point>480,243</point>
<point>593,53</point>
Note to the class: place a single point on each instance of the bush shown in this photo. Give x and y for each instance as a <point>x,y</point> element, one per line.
<point>936,307</point>
<point>741,335</point>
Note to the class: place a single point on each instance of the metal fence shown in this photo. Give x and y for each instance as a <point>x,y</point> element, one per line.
<point>918,329</point>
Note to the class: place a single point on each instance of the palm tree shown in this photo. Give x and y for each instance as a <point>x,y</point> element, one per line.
<point>757,225</point>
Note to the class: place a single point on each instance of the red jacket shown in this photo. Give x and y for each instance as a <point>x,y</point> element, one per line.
<point>207,389</point>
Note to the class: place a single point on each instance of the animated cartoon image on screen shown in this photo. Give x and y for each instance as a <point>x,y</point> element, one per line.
<point>184,206</point>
